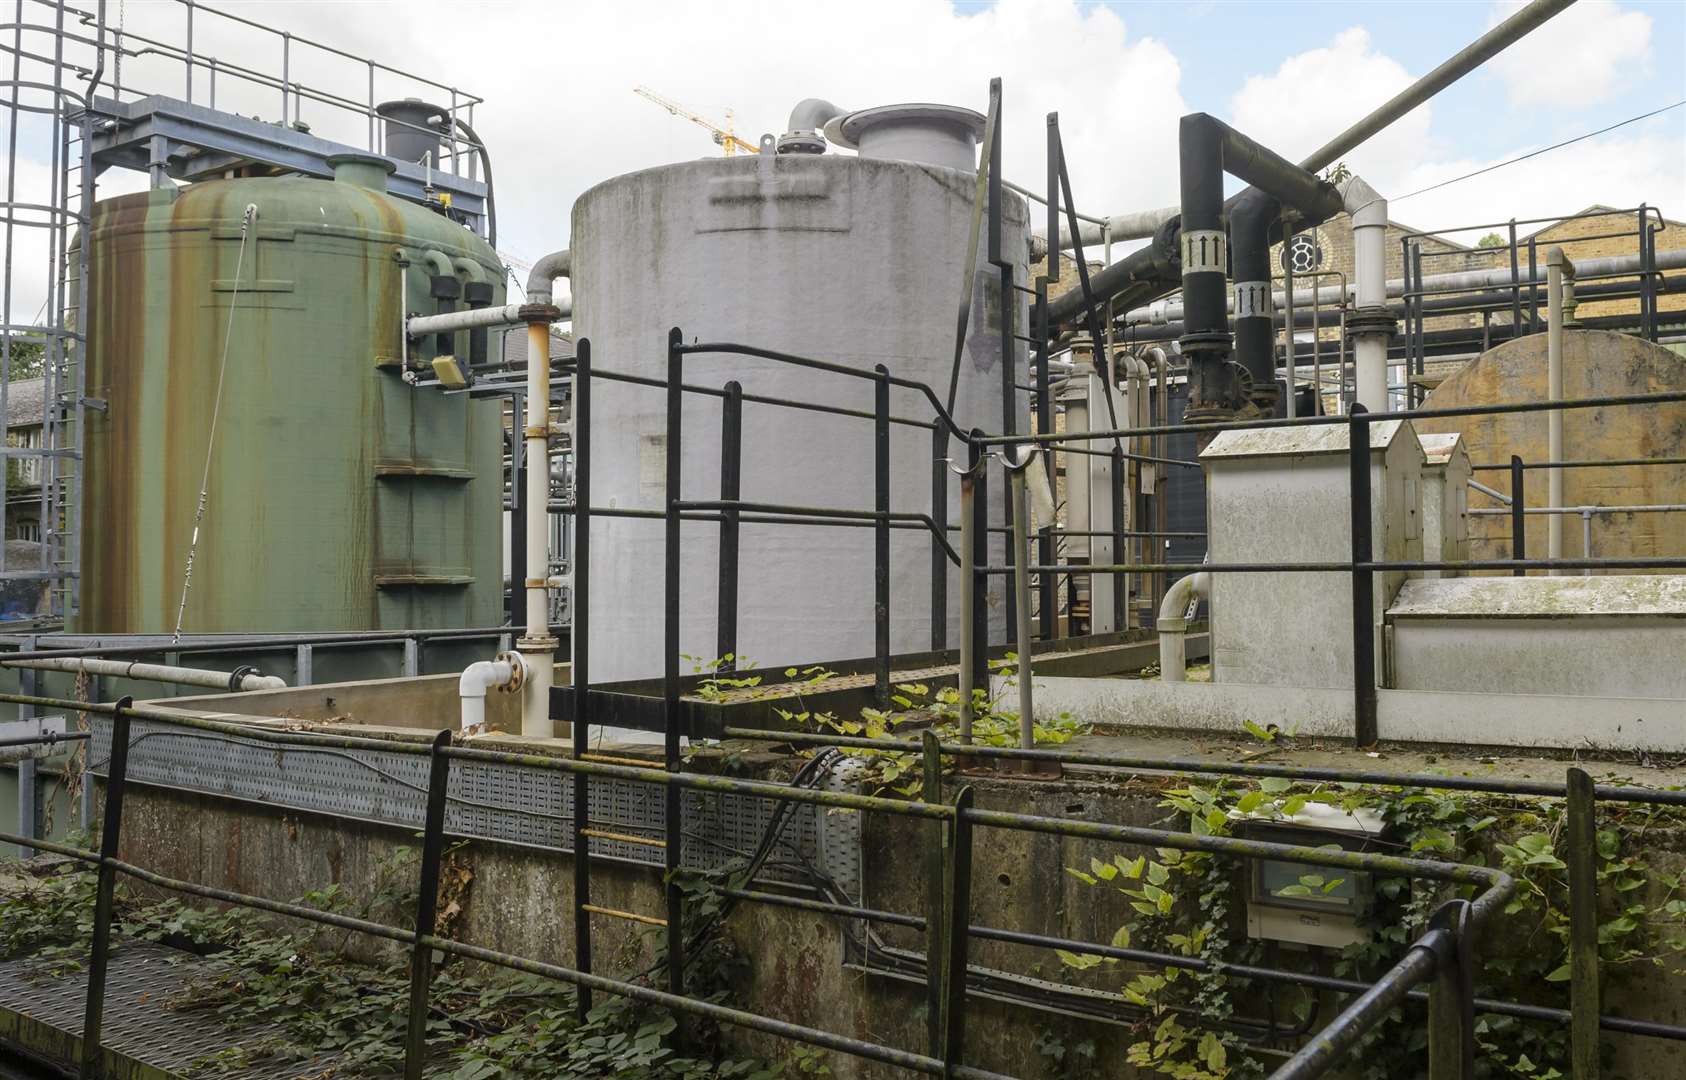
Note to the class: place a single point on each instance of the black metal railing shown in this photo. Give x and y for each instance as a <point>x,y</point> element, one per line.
<point>1441,954</point>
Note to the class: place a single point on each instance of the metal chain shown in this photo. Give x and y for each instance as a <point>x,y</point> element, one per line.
<point>216,411</point>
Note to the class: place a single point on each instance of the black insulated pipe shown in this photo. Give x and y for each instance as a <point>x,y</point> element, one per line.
<point>1206,342</point>
<point>1255,329</point>
<point>477,294</point>
<point>445,289</point>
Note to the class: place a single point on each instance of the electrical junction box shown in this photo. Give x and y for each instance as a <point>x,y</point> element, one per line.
<point>1300,904</point>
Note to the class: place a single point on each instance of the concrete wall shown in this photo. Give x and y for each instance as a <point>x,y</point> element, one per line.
<point>520,900</point>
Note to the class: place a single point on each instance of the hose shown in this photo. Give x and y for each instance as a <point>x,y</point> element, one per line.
<point>491,189</point>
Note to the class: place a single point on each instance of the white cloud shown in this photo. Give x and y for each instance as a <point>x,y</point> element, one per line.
<point>1315,94</point>
<point>1623,169</point>
<point>1583,56</point>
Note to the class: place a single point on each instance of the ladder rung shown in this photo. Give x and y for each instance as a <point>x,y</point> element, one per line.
<point>637,763</point>
<point>625,838</point>
<point>649,920</point>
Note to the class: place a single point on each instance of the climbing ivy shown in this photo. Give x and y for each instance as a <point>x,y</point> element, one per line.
<point>1189,904</point>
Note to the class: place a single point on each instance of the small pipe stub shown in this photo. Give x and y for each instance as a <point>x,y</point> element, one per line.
<point>539,313</point>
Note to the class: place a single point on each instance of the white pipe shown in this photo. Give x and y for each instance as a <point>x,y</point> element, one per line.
<point>1136,225</point>
<point>1558,268</point>
<point>1161,312</point>
<point>1173,624</point>
<point>1369,243</point>
<point>467,319</point>
<point>506,672</point>
<point>141,672</point>
<point>538,647</point>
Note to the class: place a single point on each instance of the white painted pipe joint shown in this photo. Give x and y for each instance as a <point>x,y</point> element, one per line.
<point>506,673</point>
<point>1173,624</point>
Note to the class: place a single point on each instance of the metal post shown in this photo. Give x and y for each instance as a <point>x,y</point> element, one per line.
<point>412,657</point>
<point>86,814</point>
<point>189,4</point>
<point>1420,351</point>
<point>1046,583</point>
<point>29,783</point>
<point>1518,515</point>
<point>1291,349</point>
<point>936,867</point>
<point>99,949</point>
<point>980,574</point>
<point>427,906</point>
<point>670,663</point>
<point>286,74</point>
<point>1558,270</point>
<point>304,663</point>
<point>1647,285</point>
<point>881,536</point>
<point>939,518</point>
<point>1515,286</point>
<point>1586,538</point>
<point>1363,582</point>
<point>731,471</point>
<point>1120,553</point>
<point>968,585</point>
<point>957,912</point>
<point>1581,835</point>
<point>1021,587</point>
<point>1533,291</point>
<point>1451,997</point>
<point>580,669</point>
<point>517,511</point>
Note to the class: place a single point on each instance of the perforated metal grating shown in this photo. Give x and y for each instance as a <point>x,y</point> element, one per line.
<point>514,804</point>
<point>139,1023</point>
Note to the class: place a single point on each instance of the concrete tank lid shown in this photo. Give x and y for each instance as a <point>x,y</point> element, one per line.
<point>1298,441</point>
<point>845,130</point>
<point>1441,448</point>
<point>1660,595</point>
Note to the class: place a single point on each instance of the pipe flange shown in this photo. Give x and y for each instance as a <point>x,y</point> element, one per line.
<point>238,676</point>
<point>1206,341</point>
<point>801,142</point>
<point>517,671</point>
<point>537,644</point>
<point>539,313</point>
<point>1371,320</point>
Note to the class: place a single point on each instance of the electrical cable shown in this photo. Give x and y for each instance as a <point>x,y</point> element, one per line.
<point>246,218</point>
<point>1542,150</point>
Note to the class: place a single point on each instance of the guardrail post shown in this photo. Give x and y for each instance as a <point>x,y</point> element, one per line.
<point>1363,582</point>
<point>99,949</point>
<point>29,783</point>
<point>673,816</point>
<point>980,572</point>
<point>881,536</point>
<point>957,914</point>
<point>580,670</point>
<point>936,887</point>
<point>1451,998</point>
<point>939,519</point>
<point>1120,552</point>
<point>427,906</point>
<point>731,489</point>
<point>1518,514</point>
<point>1046,584</point>
<point>1584,1004</point>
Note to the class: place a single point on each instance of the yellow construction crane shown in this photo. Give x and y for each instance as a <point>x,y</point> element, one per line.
<point>722,135</point>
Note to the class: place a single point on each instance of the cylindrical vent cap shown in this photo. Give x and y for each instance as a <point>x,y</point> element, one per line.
<point>414,129</point>
<point>943,135</point>
<point>364,170</point>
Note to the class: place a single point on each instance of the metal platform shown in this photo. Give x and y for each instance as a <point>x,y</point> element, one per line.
<point>145,1038</point>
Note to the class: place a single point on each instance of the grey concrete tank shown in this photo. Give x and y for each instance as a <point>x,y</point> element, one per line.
<point>852,259</point>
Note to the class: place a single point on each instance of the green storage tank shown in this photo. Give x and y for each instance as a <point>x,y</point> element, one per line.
<point>340,497</point>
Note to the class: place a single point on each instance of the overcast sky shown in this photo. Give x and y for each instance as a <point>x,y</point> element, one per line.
<point>560,115</point>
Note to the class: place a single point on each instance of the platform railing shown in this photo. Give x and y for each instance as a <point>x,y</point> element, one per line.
<point>1442,954</point>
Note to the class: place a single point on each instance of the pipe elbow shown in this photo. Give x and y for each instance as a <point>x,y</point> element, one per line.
<point>1364,203</point>
<point>542,279</point>
<point>807,121</point>
<point>1173,610</point>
